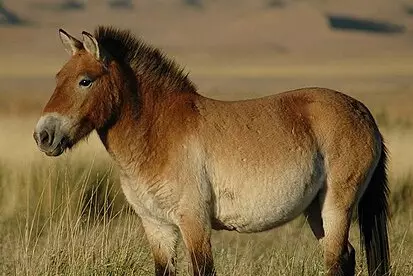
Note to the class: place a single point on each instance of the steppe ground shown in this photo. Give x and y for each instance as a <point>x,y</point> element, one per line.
<point>66,215</point>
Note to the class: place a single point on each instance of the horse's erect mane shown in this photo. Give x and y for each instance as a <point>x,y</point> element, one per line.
<point>146,61</point>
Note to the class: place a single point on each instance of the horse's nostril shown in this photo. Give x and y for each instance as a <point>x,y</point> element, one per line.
<point>44,137</point>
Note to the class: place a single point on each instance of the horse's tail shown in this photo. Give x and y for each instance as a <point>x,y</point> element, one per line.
<point>373,216</point>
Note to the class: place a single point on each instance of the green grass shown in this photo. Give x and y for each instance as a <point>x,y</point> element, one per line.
<point>385,121</point>
<point>69,217</point>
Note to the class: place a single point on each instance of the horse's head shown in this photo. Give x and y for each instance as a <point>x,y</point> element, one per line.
<point>84,99</point>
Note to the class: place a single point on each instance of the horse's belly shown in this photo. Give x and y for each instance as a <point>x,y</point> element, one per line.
<point>270,205</point>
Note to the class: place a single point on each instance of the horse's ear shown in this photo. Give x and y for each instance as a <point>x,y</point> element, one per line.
<point>71,44</point>
<point>91,45</point>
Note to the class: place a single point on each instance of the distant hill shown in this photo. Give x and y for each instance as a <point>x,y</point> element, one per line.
<point>224,28</point>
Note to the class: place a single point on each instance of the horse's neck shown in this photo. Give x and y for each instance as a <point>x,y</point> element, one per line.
<point>117,138</point>
<point>141,138</point>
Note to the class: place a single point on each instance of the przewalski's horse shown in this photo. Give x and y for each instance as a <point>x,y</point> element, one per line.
<point>190,164</point>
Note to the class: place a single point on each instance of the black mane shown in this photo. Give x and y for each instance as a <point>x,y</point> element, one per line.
<point>146,61</point>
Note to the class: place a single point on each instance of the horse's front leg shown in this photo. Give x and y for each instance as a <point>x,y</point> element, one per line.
<point>195,229</point>
<point>162,240</point>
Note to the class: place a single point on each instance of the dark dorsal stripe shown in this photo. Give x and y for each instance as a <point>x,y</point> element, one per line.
<point>148,62</point>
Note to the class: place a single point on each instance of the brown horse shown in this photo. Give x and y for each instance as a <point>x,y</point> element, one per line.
<point>190,164</point>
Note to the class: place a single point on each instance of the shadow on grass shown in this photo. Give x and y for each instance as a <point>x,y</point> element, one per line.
<point>66,6</point>
<point>120,4</point>
<point>350,23</point>
<point>409,10</point>
<point>9,18</point>
<point>276,4</point>
<point>70,6</point>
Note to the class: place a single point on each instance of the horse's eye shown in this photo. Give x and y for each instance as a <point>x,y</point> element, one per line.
<point>85,82</point>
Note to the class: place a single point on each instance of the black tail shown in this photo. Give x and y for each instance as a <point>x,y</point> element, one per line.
<point>373,216</point>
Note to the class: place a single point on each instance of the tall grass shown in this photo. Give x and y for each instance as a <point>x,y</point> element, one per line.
<point>70,218</point>
<point>67,219</point>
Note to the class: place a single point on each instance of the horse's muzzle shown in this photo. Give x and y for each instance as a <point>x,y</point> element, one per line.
<point>49,136</point>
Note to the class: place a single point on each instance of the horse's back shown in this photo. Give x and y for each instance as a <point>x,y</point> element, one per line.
<point>311,119</point>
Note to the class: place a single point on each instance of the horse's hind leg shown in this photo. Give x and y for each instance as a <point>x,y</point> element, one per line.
<point>330,224</point>
<point>339,254</point>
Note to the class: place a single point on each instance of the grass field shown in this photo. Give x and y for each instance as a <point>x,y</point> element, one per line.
<point>67,215</point>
